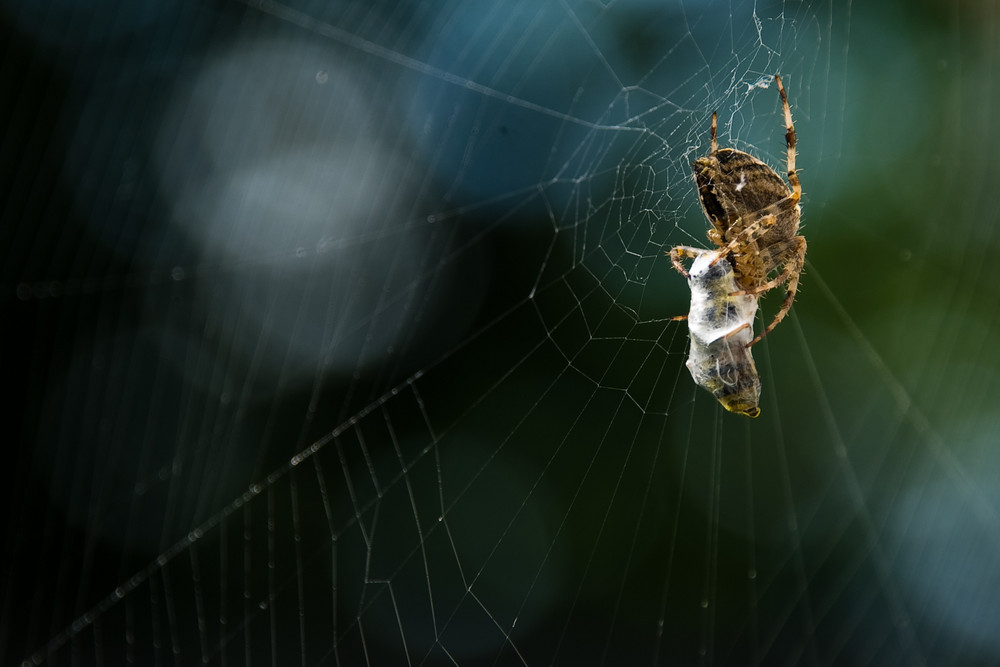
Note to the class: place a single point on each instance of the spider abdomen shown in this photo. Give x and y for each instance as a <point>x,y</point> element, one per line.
<point>732,183</point>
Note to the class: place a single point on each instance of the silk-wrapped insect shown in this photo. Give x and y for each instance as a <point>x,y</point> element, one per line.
<point>721,326</point>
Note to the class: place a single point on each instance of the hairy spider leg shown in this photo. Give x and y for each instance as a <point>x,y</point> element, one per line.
<point>676,253</point>
<point>766,219</point>
<point>797,245</point>
<point>745,325</point>
<point>714,145</point>
<point>793,177</point>
<point>685,251</point>
<point>789,273</point>
<point>751,232</point>
<point>794,270</point>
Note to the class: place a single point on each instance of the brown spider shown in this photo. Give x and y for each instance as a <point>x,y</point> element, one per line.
<point>754,216</point>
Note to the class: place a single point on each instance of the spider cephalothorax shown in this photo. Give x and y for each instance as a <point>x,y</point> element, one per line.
<point>754,216</point>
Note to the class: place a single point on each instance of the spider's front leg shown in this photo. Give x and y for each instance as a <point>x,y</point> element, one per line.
<point>750,233</point>
<point>764,221</point>
<point>677,252</point>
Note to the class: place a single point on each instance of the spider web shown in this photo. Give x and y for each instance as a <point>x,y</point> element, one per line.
<point>342,334</point>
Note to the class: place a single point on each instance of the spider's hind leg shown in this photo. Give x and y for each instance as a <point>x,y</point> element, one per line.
<point>778,254</point>
<point>765,220</point>
<point>793,269</point>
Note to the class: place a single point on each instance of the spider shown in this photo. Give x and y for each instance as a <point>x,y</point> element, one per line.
<point>754,216</point>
